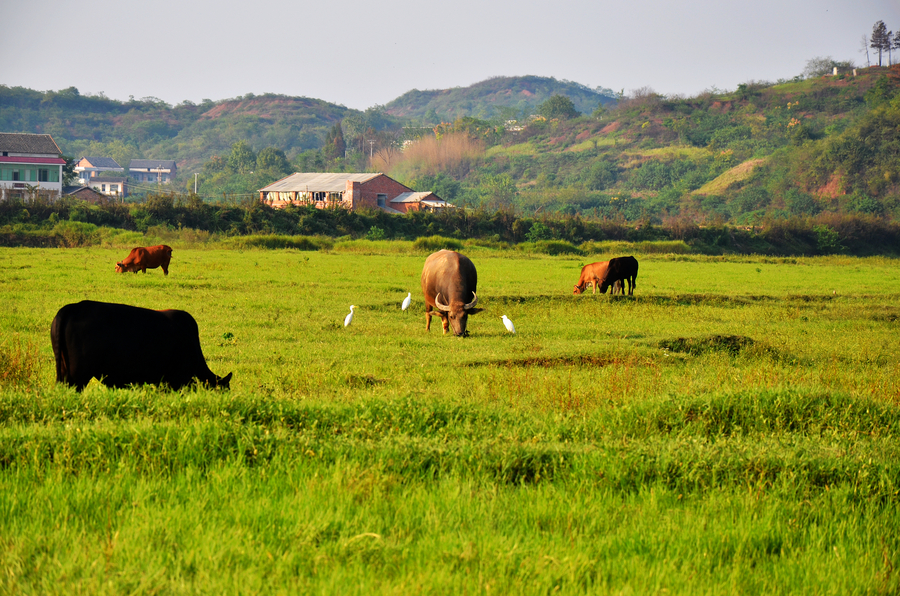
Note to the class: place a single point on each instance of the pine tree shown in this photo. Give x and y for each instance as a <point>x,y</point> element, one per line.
<point>880,39</point>
<point>334,144</point>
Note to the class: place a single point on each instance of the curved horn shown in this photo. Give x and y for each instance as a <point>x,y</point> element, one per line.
<point>471,304</point>
<point>437,303</point>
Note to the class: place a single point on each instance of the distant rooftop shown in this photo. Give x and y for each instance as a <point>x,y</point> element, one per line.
<point>16,142</point>
<point>165,164</point>
<point>316,182</point>
<point>102,162</point>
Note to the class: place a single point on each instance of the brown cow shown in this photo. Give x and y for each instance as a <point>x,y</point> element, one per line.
<point>141,259</point>
<point>449,282</point>
<point>592,275</point>
<point>620,270</point>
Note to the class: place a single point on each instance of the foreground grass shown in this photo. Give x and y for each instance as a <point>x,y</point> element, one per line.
<point>731,429</point>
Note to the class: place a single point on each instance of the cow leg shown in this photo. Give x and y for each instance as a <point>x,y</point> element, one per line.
<point>427,317</point>
<point>445,322</point>
<point>165,270</point>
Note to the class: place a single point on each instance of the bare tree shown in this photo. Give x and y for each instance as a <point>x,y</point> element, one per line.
<point>865,48</point>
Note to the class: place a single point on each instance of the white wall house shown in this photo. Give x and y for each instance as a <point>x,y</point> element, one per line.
<point>89,167</point>
<point>29,161</point>
<point>152,171</point>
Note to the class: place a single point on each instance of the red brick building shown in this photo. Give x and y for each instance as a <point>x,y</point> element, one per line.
<point>348,191</point>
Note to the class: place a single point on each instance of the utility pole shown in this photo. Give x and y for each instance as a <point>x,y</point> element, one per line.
<point>371,148</point>
<point>195,182</point>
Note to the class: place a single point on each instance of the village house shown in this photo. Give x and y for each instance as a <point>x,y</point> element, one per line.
<point>111,187</point>
<point>84,193</point>
<point>89,167</point>
<point>29,163</point>
<point>348,191</point>
<point>155,171</point>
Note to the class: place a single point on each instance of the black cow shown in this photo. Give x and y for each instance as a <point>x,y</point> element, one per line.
<point>123,345</point>
<point>621,269</point>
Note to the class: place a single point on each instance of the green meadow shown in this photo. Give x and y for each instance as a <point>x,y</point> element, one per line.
<point>732,428</point>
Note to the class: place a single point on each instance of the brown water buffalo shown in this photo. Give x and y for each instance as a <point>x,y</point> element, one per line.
<point>620,269</point>
<point>449,283</point>
<point>141,259</point>
<point>123,345</point>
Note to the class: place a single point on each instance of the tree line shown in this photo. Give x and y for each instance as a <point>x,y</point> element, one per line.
<point>42,222</point>
<point>883,41</point>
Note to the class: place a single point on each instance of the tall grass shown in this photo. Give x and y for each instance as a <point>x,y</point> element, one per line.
<point>454,154</point>
<point>20,363</point>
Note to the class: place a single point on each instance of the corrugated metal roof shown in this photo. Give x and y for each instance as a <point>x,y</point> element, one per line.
<point>103,162</point>
<point>28,143</point>
<point>152,163</point>
<point>316,182</point>
<point>411,197</point>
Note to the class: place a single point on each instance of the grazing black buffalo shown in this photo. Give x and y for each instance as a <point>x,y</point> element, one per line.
<point>620,269</point>
<point>123,345</point>
<point>449,282</point>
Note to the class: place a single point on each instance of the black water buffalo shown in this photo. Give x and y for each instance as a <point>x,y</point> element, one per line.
<point>620,269</point>
<point>449,283</point>
<point>123,345</point>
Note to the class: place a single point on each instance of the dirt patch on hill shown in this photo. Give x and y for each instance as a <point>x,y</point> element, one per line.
<point>611,127</point>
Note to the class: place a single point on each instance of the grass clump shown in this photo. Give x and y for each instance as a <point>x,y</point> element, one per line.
<point>550,247</point>
<point>273,241</point>
<point>434,243</point>
<point>732,344</point>
<point>20,364</point>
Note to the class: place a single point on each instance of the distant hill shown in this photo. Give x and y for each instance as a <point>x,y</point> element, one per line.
<point>493,98</point>
<point>149,128</point>
<point>816,147</point>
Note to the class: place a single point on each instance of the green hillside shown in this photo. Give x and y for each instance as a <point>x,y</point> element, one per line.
<point>799,148</point>
<point>826,145</point>
<point>498,97</point>
<point>151,129</point>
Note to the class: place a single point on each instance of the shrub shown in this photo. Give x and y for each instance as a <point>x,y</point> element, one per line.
<point>551,247</point>
<point>73,234</point>
<point>375,233</point>
<point>433,243</point>
<point>278,242</point>
<point>539,231</point>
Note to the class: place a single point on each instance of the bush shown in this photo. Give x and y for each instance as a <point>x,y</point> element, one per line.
<point>375,233</point>
<point>660,247</point>
<point>434,243</point>
<point>551,247</point>
<point>278,242</point>
<point>72,234</point>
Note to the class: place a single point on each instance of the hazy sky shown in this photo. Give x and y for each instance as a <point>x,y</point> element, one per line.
<point>360,54</point>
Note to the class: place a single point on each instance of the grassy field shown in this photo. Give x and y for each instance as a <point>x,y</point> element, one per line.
<point>732,428</point>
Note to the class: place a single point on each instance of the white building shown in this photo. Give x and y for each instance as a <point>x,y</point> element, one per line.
<point>29,162</point>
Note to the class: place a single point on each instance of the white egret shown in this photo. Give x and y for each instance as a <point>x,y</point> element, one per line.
<point>349,318</point>
<point>406,301</point>
<point>509,324</point>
